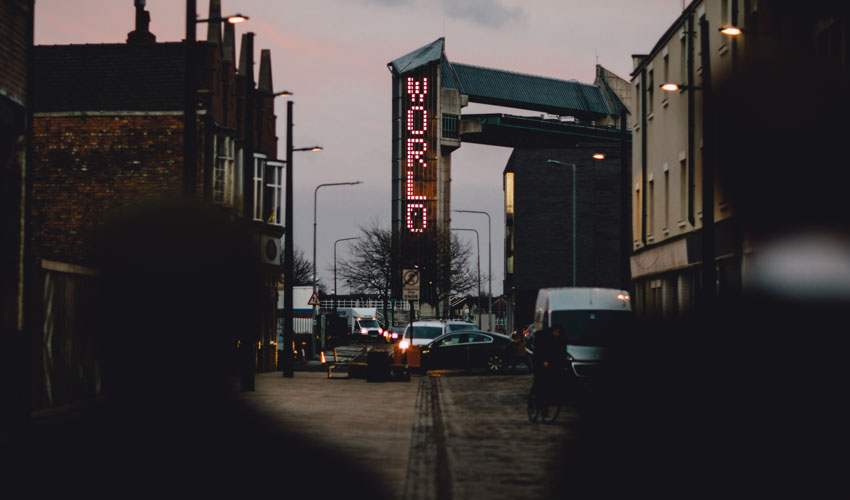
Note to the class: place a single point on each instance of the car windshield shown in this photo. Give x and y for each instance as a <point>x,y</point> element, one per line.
<point>592,328</point>
<point>453,327</point>
<point>368,323</point>
<point>424,332</point>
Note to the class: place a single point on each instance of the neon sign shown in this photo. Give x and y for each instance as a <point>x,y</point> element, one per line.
<point>416,212</point>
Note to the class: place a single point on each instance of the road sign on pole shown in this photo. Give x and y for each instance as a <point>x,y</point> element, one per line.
<point>314,300</point>
<point>410,282</point>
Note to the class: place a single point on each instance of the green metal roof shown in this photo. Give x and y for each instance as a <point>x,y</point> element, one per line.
<point>419,57</point>
<point>518,90</point>
<point>510,89</point>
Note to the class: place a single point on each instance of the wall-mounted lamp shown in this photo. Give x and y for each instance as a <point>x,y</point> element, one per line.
<point>730,30</point>
<point>598,156</point>
<point>673,87</point>
<point>234,19</point>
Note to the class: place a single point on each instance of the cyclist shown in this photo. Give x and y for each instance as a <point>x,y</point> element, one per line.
<point>550,364</point>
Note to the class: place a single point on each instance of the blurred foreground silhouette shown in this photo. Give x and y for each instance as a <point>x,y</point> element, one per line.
<point>746,397</point>
<point>178,294</point>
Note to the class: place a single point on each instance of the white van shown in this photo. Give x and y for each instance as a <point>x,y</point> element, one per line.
<point>589,317</point>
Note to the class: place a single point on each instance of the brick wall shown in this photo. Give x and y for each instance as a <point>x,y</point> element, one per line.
<point>85,167</point>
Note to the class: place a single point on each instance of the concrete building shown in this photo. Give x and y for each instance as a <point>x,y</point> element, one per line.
<point>428,126</point>
<point>108,134</point>
<point>685,145</point>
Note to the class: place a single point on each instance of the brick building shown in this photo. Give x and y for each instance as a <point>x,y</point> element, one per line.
<point>108,133</point>
<point>16,39</point>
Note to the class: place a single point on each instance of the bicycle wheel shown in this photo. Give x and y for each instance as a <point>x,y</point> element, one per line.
<point>550,412</point>
<point>533,411</point>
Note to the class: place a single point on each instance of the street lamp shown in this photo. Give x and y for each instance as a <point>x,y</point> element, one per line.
<point>489,266</point>
<point>315,282</point>
<point>335,242</point>
<point>190,154</point>
<point>478,246</point>
<point>574,207</point>
<point>574,212</point>
<point>288,251</point>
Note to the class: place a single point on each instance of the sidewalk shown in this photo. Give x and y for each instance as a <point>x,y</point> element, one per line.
<point>368,422</point>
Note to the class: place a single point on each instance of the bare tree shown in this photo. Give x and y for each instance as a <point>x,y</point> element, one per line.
<point>368,269</point>
<point>462,273</point>
<point>302,267</point>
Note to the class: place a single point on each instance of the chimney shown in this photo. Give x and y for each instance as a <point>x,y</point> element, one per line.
<point>214,27</point>
<point>229,44</point>
<point>141,35</point>
<point>243,57</point>
<point>265,82</point>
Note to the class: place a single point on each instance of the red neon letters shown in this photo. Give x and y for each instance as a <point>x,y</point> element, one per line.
<point>417,125</point>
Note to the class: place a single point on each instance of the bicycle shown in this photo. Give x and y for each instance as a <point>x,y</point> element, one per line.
<point>547,412</point>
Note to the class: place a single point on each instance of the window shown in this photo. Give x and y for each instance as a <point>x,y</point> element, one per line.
<point>223,170</point>
<point>649,92</point>
<point>239,182</point>
<point>666,198</point>
<point>274,192</point>
<point>683,188</point>
<point>509,193</point>
<point>683,58</point>
<point>259,179</point>
<point>650,207</point>
<point>477,337</point>
<point>639,101</point>
<point>636,212</point>
<point>450,126</point>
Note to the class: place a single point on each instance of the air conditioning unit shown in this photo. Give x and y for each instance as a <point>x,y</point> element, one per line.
<point>269,250</point>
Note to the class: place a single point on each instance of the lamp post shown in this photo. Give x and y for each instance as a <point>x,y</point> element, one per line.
<point>489,266</point>
<point>478,247</point>
<point>574,212</point>
<point>288,252</point>
<point>190,153</point>
<point>335,242</point>
<point>315,282</point>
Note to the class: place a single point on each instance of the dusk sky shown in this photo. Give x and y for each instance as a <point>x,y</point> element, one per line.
<point>333,55</point>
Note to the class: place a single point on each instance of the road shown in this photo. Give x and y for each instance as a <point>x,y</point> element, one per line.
<point>438,436</point>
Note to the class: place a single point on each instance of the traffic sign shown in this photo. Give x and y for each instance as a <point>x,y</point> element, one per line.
<point>410,279</point>
<point>314,300</point>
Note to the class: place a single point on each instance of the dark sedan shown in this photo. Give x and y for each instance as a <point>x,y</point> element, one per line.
<point>469,350</point>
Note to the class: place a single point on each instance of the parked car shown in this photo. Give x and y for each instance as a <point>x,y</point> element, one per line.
<point>422,332</point>
<point>393,334</point>
<point>469,349</point>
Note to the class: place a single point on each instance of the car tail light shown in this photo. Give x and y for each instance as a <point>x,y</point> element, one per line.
<point>404,344</point>
<point>363,331</point>
<point>380,330</point>
<point>395,335</point>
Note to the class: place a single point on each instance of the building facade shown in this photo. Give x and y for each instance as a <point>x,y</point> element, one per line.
<point>689,148</point>
<point>108,134</point>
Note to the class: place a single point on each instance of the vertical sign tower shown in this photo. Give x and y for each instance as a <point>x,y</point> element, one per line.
<point>420,176</point>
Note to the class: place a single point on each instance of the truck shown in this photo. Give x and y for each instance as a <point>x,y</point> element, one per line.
<point>361,323</point>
